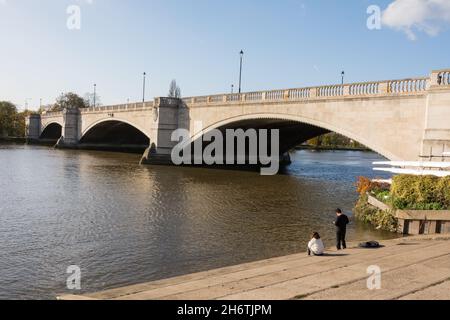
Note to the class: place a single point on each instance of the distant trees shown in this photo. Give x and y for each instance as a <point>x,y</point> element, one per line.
<point>12,122</point>
<point>334,140</point>
<point>69,100</point>
<point>174,90</point>
<point>92,98</point>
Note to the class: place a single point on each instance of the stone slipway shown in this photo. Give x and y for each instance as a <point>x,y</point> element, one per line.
<point>412,268</point>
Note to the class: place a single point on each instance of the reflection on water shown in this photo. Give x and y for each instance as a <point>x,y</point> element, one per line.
<point>123,223</point>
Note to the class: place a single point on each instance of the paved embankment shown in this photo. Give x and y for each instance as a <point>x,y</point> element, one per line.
<point>412,268</point>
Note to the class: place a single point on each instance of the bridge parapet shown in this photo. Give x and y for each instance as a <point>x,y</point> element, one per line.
<point>409,87</point>
<point>45,115</point>
<point>120,107</point>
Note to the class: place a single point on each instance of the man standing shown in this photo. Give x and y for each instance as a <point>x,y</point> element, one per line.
<point>341,229</point>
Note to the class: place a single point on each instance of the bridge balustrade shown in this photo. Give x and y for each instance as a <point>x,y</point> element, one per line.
<point>444,78</point>
<point>330,91</point>
<point>391,87</point>
<point>359,89</point>
<point>303,93</point>
<point>408,85</point>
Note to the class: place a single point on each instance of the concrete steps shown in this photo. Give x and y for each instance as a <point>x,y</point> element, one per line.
<point>412,269</point>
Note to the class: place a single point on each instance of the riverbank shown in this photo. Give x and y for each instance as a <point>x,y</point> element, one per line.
<point>412,268</point>
<point>322,148</point>
<point>12,140</point>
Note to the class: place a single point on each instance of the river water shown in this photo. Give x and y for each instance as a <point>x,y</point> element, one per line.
<point>123,223</point>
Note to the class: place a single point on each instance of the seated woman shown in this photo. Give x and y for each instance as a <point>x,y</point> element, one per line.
<point>315,246</point>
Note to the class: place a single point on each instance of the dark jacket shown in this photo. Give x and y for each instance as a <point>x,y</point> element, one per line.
<point>341,222</point>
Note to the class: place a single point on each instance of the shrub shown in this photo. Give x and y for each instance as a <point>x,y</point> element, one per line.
<point>444,188</point>
<point>366,213</point>
<point>365,185</point>
<point>420,192</point>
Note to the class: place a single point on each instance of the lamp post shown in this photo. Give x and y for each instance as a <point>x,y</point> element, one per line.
<point>342,75</point>
<point>143,88</point>
<point>240,71</point>
<point>95,95</point>
<point>232,88</point>
<point>26,103</point>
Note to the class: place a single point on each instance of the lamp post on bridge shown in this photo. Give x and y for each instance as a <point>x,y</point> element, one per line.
<point>143,88</point>
<point>342,75</point>
<point>26,102</point>
<point>232,88</point>
<point>240,71</point>
<point>95,94</point>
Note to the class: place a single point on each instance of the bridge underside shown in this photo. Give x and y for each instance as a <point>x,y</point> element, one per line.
<point>292,133</point>
<point>51,133</point>
<point>115,136</point>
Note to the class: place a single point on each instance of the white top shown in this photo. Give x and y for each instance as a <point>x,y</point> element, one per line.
<point>415,164</point>
<point>316,246</point>
<point>415,172</point>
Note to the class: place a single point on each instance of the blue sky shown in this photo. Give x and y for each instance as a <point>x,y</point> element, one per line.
<point>287,43</point>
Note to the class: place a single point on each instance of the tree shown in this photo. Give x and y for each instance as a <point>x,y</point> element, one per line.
<point>89,100</point>
<point>12,123</point>
<point>8,113</point>
<point>69,101</point>
<point>174,90</point>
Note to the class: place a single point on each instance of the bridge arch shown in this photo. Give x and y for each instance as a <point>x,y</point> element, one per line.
<point>114,134</point>
<point>51,131</point>
<point>321,126</point>
<point>98,122</point>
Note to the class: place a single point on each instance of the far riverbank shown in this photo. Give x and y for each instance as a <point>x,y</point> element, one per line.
<point>323,148</point>
<point>13,140</point>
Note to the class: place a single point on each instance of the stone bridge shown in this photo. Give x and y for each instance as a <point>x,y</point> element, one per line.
<point>400,119</point>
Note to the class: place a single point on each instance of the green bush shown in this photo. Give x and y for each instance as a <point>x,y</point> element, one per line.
<point>383,196</point>
<point>380,219</point>
<point>420,192</point>
<point>444,187</point>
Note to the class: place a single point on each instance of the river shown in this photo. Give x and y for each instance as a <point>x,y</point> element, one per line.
<point>123,223</point>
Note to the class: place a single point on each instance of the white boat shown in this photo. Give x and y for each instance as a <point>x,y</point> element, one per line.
<point>414,164</point>
<point>416,172</point>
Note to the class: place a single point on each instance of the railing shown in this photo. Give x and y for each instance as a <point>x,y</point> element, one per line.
<point>120,107</point>
<point>416,86</point>
<point>52,114</point>
<point>368,88</point>
<point>444,78</point>
<point>330,91</point>
<point>302,93</point>
<point>275,95</point>
<point>408,85</point>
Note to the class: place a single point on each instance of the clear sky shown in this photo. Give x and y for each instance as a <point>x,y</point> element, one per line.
<point>287,43</point>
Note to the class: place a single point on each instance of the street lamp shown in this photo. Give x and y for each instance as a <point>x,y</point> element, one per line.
<point>240,71</point>
<point>343,75</point>
<point>232,88</point>
<point>26,103</point>
<point>143,88</point>
<point>95,94</point>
